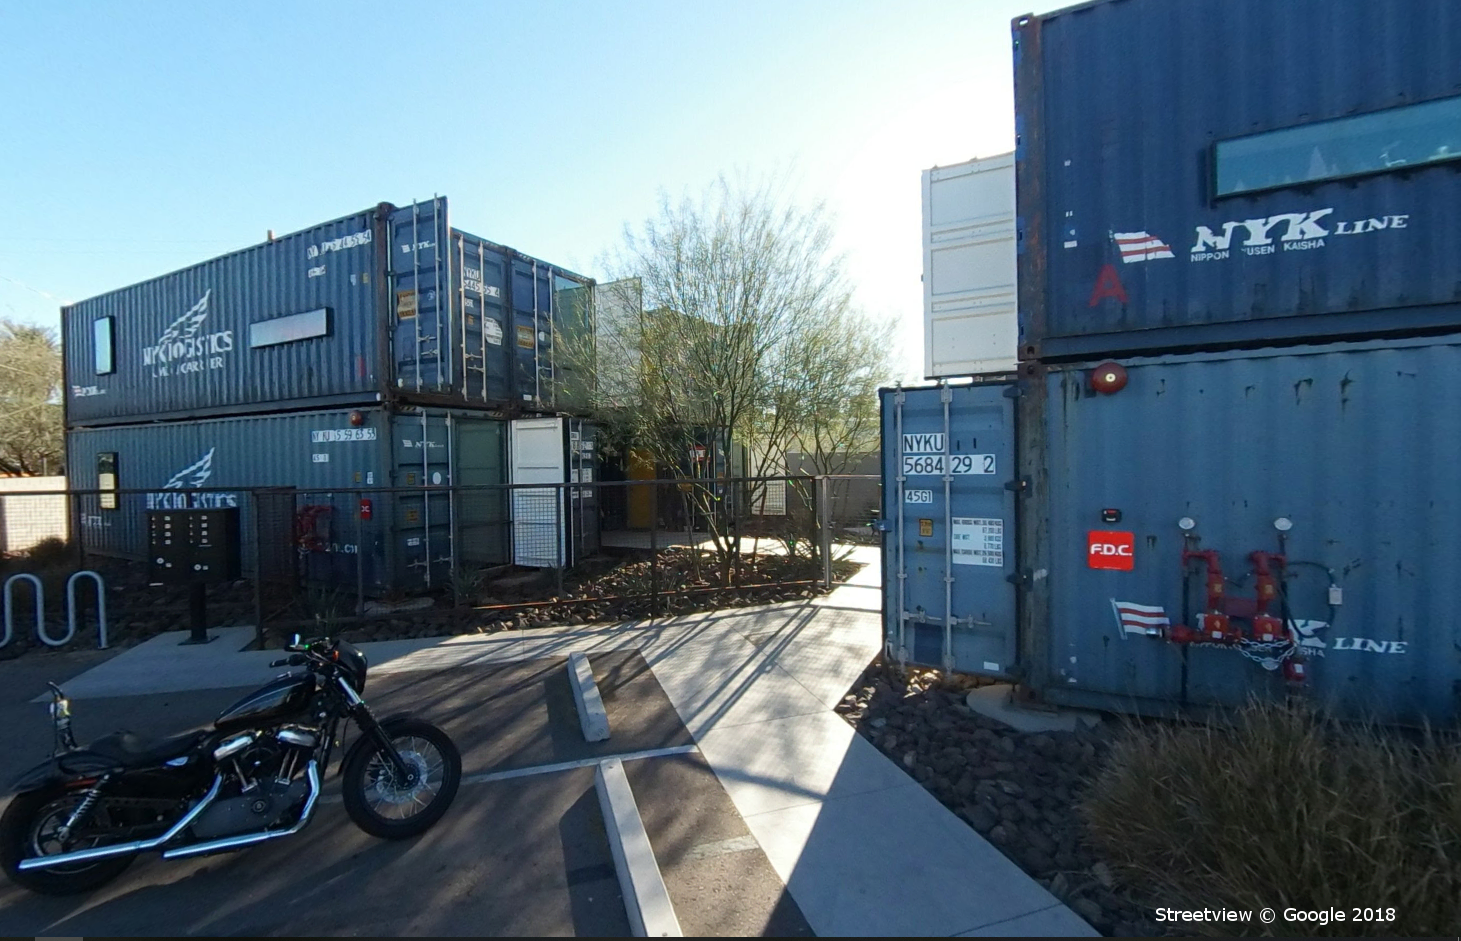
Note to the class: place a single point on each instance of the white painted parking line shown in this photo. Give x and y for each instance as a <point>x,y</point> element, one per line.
<point>736,844</point>
<point>489,776</point>
<point>591,714</point>
<point>646,900</point>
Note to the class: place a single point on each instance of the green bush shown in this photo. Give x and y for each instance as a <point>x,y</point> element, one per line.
<point>1284,809</point>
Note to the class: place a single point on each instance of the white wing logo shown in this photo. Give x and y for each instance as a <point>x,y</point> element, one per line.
<point>188,324</point>
<point>193,475</point>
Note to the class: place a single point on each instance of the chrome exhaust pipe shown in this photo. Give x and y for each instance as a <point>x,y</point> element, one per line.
<point>248,839</point>
<point>124,849</point>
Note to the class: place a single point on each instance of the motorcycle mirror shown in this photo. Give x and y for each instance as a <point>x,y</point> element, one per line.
<point>295,641</point>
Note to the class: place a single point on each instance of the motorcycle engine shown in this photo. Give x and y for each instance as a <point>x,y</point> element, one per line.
<point>267,782</point>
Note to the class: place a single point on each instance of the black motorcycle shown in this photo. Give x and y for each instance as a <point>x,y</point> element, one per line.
<point>80,818</point>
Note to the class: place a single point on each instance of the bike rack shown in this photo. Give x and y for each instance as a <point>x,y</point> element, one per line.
<point>40,608</point>
<point>40,601</point>
<point>101,609</point>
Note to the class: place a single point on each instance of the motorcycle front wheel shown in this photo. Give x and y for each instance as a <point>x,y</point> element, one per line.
<point>31,826</point>
<point>395,810</point>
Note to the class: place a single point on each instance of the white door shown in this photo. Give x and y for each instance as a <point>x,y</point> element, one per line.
<point>535,447</point>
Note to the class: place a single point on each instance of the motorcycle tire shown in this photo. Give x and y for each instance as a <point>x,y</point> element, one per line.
<point>384,810</point>
<point>25,815</point>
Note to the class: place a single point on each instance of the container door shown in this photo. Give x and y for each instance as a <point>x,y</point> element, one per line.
<point>482,292</point>
<point>421,287</point>
<point>482,513</point>
<point>948,455</point>
<point>532,301</point>
<point>536,450</point>
<point>583,466</point>
<point>423,511</point>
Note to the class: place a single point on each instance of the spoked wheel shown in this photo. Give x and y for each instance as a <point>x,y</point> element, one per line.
<point>385,806</point>
<point>34,825</point>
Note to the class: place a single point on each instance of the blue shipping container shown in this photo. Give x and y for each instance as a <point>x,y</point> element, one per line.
<point>386,304</point>
<point>1207,174</point>
<point>1340,458</point>
<point>948,512</point>
<point>317,454</point>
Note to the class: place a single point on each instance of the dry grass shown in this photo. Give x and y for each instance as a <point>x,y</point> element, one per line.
<point>1283,809</point>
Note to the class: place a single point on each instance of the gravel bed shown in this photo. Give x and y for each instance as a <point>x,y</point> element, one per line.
<point>1021,790</point>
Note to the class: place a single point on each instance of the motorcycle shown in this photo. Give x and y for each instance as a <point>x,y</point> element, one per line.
<point>79,819</point>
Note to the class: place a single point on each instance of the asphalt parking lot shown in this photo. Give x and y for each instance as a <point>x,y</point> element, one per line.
<point>522,852</point>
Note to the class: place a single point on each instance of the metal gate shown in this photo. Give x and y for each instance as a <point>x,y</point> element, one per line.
<point>948,520</point>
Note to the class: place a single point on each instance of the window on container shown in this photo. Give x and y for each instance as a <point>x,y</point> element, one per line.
<point>106,479</point>
<point>103,332</point>
<point>1394,139</point>
<point>290,329</point>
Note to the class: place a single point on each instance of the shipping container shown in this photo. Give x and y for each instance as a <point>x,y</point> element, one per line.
<point>1322,477</point>
<point>1210,174</point>
<point>333,462</point>
<point>948,517</point>
<point>969,294</point>
<point>388,304</point>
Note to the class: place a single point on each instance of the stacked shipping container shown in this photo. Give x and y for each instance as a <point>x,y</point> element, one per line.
<point>382,349</point>
<point>1235,413</point>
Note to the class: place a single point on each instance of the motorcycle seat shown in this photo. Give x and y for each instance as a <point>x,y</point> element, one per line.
<point>136,751</point>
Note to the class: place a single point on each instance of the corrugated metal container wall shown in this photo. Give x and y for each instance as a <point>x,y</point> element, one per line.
<point>365,308</point>
<point>969,320</point>
<point>213,462</point>
<point>1356,445</point>
<point>292,319</point>
<point>1141,230</point>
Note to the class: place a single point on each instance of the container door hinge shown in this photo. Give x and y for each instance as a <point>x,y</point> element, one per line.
<point>1013,391</point>
<point>1018,485</point>
<point>1018,579</point>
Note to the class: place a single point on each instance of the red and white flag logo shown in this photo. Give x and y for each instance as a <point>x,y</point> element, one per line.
<point>1140,246</point>
<point>1140,618</point>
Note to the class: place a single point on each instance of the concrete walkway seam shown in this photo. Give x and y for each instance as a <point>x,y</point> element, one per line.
<point>591,714</point>
<point>646,900</point>
<point>487,777</point>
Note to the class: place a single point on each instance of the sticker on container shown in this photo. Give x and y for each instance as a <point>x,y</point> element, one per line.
<point>405,304</point>
<point>1113,551</point>
<point>321,458</point>
<point>412,516</point>
<point>492,330</point>
<point>588,475</point>
<point>414,541</point>
<point>925,527</point>
<point>991,667</point>
<point>923,444</point>
<point>918,496</point>
<point>436,477</point>
<point>370,477</point>
<point>925,465</point>
<point>341,434</point>
<point>525,337</point>
<point>978,541</point>
<point>573,477</point>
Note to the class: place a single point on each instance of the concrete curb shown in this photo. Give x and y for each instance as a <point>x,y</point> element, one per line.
<point>646,900</point>
<point>591,714</point>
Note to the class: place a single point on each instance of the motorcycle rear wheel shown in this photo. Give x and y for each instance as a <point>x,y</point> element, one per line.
<point>28,828</point>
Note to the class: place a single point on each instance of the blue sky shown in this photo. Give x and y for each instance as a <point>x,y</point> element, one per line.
<point>146,137</point>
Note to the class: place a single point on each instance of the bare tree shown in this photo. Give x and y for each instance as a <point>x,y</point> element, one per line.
<point>733,329</point>
<point>31,438</point>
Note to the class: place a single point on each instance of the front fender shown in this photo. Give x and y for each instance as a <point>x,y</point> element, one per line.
<point>364,735</point>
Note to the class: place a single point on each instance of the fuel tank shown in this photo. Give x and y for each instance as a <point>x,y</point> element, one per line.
<point>278,700</point>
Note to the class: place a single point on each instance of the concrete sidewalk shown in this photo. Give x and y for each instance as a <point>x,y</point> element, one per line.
<point>862,848</point>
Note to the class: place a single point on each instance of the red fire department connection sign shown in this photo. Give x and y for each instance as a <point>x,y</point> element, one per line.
<point>1111,550</point>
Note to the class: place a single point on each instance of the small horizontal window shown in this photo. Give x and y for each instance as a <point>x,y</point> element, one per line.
<point>103,334</point>
<point>1394,139</point>
<point>305,326</point>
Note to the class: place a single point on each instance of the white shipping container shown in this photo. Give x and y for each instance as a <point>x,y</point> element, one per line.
<point>970,322</point>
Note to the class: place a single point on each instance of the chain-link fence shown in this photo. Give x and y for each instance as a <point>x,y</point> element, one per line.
<point>413,561</point>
